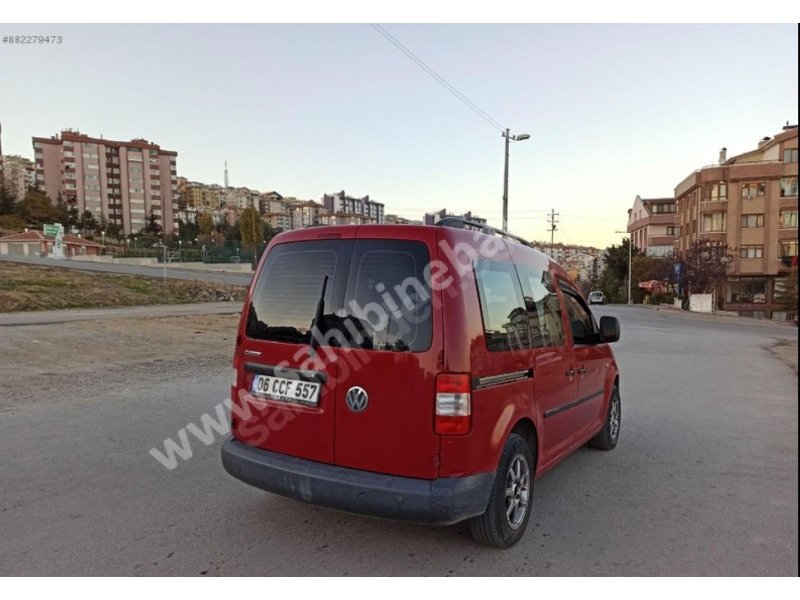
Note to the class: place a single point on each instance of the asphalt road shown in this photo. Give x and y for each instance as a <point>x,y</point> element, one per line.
<point>704,480</point>
<point>158,272</point>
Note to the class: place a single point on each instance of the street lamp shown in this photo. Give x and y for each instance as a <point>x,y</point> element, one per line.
<point>630,262</point>
<point>180,245</point>
<point>517,138</point>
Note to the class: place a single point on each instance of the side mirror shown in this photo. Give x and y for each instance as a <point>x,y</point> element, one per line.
<point>609,330</point>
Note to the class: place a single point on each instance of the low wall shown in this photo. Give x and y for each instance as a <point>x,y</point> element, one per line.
<point>199,266</point>
<point>106,258</point>
<point>703,303</point>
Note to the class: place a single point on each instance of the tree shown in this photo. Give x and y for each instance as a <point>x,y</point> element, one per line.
<point>88,222</point>
<point>705,267</point>
<point>151,226</point>
<point>8,201</point>
<point>786,292</point>
<point>36,209</point>
<point>187,232</point>
<point>251,228</point>
<point>614,279</point>
<point>205,223</point>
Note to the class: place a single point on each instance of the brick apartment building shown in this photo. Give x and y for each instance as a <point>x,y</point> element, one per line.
<point>748,202</point>
<point>652,224</point>
<point>121,182</point>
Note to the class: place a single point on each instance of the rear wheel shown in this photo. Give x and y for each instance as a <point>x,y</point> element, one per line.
<point>506,517</point>
<point>608,436</point>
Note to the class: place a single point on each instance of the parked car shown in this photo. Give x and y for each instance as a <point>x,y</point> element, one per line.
<point>597,298</point>
<point>421,373</point>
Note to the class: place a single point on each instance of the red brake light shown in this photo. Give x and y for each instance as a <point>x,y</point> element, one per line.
<point>453,412</point>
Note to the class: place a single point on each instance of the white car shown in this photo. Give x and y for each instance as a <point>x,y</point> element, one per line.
<point>596,298</point>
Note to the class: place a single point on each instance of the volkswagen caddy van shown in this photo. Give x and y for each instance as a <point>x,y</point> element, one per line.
<point>422,373</point>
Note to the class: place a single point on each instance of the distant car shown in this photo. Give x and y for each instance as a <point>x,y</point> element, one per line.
<point>597,298</point>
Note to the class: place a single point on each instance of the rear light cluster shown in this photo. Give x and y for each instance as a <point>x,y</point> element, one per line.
<point>453,404</point>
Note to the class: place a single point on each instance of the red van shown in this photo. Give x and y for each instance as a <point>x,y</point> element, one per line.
<point>425,373</point>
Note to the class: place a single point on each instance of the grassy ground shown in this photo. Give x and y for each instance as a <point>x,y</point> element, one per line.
<point>25,287</point>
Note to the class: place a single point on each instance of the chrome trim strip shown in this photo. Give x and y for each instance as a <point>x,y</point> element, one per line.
<point>573,404</point>
<point>492,380</point>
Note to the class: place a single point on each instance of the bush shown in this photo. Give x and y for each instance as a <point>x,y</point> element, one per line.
<point>11,223</point>
<point>662,299</point>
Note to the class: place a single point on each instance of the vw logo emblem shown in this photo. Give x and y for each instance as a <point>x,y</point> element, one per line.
<point>357,399</point>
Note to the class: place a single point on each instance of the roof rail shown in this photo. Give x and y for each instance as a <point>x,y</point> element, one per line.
<point>462,223</point>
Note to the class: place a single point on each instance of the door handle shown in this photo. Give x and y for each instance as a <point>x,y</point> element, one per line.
<point>582,371</point>
<point>570,372</point>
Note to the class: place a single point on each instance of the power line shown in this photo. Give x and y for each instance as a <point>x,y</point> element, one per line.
<point>441,80</point>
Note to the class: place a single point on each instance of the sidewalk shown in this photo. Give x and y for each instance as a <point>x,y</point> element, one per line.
<point>49,317</point>
<point>723,316</point>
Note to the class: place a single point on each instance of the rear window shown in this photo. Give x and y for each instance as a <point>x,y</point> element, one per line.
<point>376,296</point>
<point>288,290</point>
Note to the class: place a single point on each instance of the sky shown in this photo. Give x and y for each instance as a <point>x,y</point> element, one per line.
<point>613,110</point>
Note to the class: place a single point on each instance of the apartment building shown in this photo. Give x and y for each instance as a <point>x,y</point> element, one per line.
<point>118,181</point>
<point>653,225</point>
<point>304,212</point>
<point>398,220</point>
<point>351,208</point>
<point>432,217</point>
<point>748,202</point>
<point>198,195</point>
<point>581,262</point>
<point>18,175</point>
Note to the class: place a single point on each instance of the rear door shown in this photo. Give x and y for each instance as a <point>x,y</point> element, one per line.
<point>278,370</point>
<point>385,394</point>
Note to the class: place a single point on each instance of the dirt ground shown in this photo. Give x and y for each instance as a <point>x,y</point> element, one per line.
<point>96,355</point>
<point>26,287</point>
<point>786,350</point>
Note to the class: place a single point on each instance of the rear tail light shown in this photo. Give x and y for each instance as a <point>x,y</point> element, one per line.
<point>453,404</point>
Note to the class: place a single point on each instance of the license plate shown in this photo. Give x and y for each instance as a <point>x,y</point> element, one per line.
<point>285,390</point>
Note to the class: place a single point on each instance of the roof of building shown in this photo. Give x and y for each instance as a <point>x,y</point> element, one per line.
<point>77,136</point>
<point>32,236</point>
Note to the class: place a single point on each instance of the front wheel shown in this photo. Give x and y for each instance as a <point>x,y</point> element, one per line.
<point>503,523</point>
<point>609,434</point>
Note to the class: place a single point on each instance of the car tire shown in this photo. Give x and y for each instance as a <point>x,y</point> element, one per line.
<point>607,438</point>
<point>503,523</point>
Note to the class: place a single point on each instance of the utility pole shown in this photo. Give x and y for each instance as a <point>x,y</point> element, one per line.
<point>552,220</point>
<point>505,185</point>
<point>517,138</point>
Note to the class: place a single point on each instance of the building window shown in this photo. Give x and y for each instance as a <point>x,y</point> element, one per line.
<point>790,155</point>
<point>787,248</point>
<point>754,190</point>
<point>788,218</point>
<point>747,290</point>
<point>750,221</point>
<point>714,222</point>
<point>716,192</point>
<point>663,208</point>
<point>751,251</point>
<point>788,186</point>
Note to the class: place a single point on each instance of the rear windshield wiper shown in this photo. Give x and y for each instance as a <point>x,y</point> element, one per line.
<point>314,341</point>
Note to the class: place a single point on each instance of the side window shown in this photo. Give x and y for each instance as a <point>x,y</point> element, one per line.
<point>580,319</point>
<point>505,321</point>
<point>544,311</point>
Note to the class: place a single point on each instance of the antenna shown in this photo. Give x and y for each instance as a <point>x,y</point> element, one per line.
<point>226,174</point>
<point>552,220</point>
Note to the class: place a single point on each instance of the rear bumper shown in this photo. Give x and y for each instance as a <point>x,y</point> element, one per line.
<point>440,501</point>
